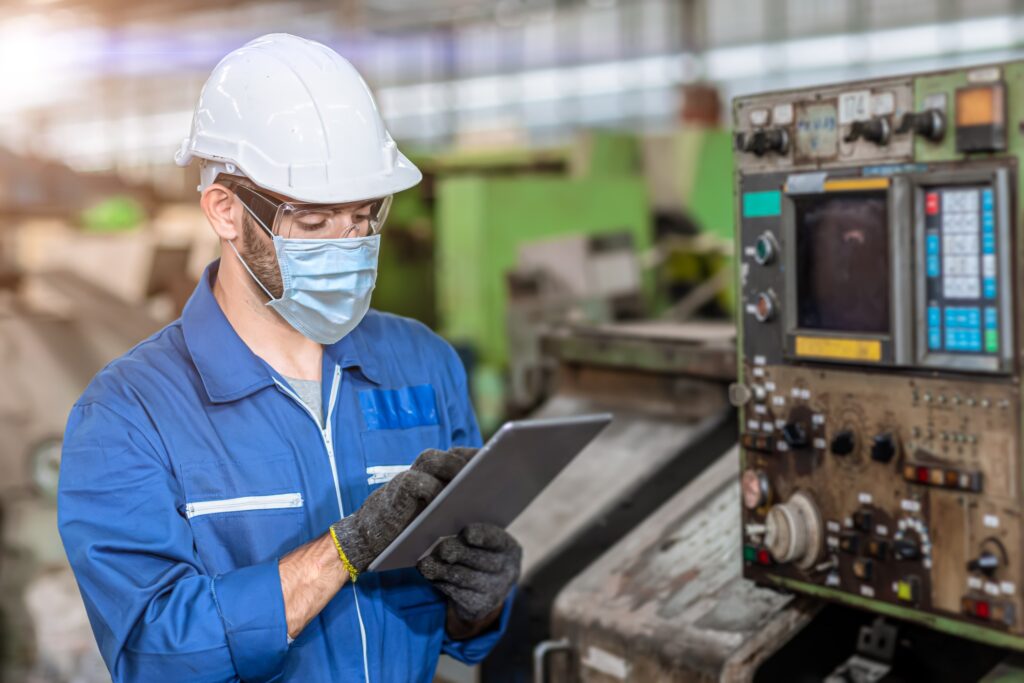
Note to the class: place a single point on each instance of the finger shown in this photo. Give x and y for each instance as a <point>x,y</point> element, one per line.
<point>488,537</point>
<point>453,551</point>
<point>431,568</point>
<point>443,465</point>
<point>464,452</point>
<point>470,605</point>
<point>420,486</point>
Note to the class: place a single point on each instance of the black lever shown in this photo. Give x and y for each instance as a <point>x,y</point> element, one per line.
<point>929,124</point>
<point>876,130</point>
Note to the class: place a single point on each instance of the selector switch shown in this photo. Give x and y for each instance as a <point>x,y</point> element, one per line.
<point>929,124</point>
<point>863,520</point>
<point>844,443</point>
<point>876,130</point>
<point>905,549</point>
<point>883,448</point>
<point>863,568</point>
<point>795,435</point>
<point>849,542</point>
<point>987,563</point>
<point>763,141</point>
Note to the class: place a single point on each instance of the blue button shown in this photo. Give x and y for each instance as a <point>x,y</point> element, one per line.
<point>932,266</point>
<point>991,318</point>
<point>989,287</point>
<point>969,318</point>
<point>987,221</point>
<point>988,243</point>
<point>934,316</point>
<point>986,199</point>
<point>932,243</point>
<point>952,340</point>
<point>934,338</point>
<point>972,340</point>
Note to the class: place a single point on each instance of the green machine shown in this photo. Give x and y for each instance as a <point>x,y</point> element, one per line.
<point>879,378</point>
<point>485,217</point>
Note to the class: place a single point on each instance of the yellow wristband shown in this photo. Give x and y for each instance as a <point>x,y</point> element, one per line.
<point>353,573</point>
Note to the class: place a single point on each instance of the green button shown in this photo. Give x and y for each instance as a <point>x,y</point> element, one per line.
<point>749,553</point>
<point>991,341</point>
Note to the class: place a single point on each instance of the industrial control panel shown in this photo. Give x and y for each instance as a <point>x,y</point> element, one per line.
<point>879,388</point>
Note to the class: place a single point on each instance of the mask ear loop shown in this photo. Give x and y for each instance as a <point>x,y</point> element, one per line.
<point>241,260</point>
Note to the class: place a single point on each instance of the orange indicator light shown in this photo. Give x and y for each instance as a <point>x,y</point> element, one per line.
<point>981,106</point>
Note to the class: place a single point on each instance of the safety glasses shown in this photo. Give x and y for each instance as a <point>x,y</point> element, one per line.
<point>313,221</point>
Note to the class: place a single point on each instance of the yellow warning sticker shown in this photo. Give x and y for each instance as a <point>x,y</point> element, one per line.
<point>844,349</point>
<point>854,184</point>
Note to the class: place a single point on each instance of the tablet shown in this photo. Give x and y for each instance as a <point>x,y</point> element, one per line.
<point>497,484</point>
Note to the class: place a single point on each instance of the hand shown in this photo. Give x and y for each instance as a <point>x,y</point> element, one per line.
<point>365,533</point>
<point>475,570</point>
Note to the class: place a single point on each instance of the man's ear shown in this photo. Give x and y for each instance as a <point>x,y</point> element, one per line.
<point>222,211</point>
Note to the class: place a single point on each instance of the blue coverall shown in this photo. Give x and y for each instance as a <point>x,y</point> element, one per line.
<point>190,467</point>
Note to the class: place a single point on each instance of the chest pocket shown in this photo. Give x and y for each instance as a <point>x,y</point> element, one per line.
<point>243,511</point>
<point>399,425</point>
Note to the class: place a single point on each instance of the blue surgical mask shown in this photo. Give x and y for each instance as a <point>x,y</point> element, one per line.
<point>327,283</point>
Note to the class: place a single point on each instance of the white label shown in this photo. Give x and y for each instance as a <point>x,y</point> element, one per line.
<point>832,579</point>
<point>832,541</point>
<point>758,117</point>
<point>819,443</point>
<point>883,104</point>
<point>986,75</point>
<point>782,446</point>
<point>381,474</point>
<point>974,583</point>
<point>751,309</point>
<point>864,498</point>
<point>882,530</point>
<point>992,588</point>
<point>767,426</point>
<point>867,591</point>
<point>805,394</point>
<point>817,419</point>
<point>780,423</point>
<point>606,663</point>
<point>832,526</point>
<point>1007,587</point>
<point>769,386</point>
<point>795,392</point>
<point>749,251</point>
<point>991,521</point>
<point>854,106</point>
<point>760,409</point>
<point>848,522</point>
<point>758,372</point>
<point>910,506</point>
<point>760,360</point>
<point>778,400</point>
<point>926,563</point>
<point>936,100</point>
<point>753,424</point>
<point>782,114</point>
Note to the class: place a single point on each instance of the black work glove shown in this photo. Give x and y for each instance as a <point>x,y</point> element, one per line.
<point>475,570</point>
<point>364,534</point>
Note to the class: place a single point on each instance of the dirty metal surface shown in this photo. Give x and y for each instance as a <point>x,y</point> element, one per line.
<point>668,602</point>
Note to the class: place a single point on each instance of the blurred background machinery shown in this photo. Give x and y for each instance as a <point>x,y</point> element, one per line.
<point>573,237</point>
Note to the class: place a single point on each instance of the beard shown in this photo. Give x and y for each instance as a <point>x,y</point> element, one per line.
<point>259,254</point>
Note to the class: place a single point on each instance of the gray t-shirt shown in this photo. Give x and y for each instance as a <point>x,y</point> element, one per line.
<point>309,391</point>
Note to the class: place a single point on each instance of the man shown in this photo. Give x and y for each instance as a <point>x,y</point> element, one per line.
<point>198,467</point>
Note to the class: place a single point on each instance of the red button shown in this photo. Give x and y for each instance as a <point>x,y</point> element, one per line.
<point>981,610</point>
<point>763,558</point>
<point>931,203</point>
<point>922,474</point>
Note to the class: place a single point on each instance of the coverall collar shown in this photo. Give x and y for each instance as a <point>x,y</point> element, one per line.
<point>229,369</point>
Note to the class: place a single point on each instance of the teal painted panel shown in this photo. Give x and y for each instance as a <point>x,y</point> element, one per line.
<point>761,204</point>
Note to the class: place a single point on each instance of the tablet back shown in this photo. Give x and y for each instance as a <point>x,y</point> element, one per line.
<point>498,483</point>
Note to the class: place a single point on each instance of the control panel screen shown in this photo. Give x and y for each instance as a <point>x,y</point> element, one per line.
<point>961,270</point>
<point>842,249</point>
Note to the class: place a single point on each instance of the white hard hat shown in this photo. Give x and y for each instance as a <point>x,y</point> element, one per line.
<point>296,118</point>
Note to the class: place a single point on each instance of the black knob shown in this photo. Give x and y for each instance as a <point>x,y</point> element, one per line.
<point>795,435</point>
<point>874,130</point>
<point>905,549</point>
<point>987,563</point>
<point>929,124</point>
<point>883,448</point>
<point>843,443</point>
<point>763,140</point>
